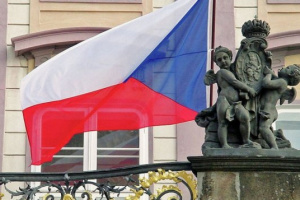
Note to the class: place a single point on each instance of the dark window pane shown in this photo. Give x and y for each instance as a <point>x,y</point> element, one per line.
<point>120,181</point>
<point>113,162</point>
<point>70,152</point>
<point>128,153</point>
<point>288,125</point>
<point>69,159</point>
<point>117,149</point>
<point>64,165</point>
<point>76,141</point>
<point>289,122</point>
<point>110,163</point>
<point>118,139</point>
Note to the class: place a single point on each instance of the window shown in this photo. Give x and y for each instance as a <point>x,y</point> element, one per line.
<point>97,151</point>
<point>100,150</point>
<point>69,159</point>
<point>289,121</point>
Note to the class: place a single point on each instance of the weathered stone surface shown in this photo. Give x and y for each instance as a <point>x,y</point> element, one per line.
<point>218,184</point>
<point>247,178</point>
<point>249,185</point>
<point>269,185</point>
<point>282,153</point>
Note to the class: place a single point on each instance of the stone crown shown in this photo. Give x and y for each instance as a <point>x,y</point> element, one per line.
<point>255,28</point>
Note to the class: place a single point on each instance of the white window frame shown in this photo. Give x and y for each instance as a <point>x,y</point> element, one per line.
<point>90,158</point>
<point>89,153</point>
<point>294,108</point>
<point>291,108</point>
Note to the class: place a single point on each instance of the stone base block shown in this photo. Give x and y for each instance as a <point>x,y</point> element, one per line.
<point>221,178</point>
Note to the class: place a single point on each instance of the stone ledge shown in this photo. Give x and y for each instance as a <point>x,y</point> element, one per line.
<point>242,163</point>
<point>251,152</point>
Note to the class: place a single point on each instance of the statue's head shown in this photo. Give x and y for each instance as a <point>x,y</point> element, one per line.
<point>291,73</point>
<point>222,57</point>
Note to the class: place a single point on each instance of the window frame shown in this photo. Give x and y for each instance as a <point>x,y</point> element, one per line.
<point>90,159</point>
<point>291,108</point>
<point>90,150</point>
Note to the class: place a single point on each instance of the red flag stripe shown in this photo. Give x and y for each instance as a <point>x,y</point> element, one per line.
<point>125,106</point>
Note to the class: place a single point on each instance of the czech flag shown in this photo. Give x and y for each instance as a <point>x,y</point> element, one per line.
<point>147,72</point>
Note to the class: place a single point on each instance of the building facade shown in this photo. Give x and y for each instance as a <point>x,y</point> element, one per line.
<point>33,31</point>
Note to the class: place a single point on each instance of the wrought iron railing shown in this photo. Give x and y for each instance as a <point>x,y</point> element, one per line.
<point>71,186</point>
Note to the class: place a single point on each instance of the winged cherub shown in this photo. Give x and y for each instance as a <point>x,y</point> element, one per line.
<point>275,89</point>
<point>229,106</point>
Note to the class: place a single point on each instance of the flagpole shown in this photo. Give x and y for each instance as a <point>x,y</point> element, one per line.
<point>212,46</point>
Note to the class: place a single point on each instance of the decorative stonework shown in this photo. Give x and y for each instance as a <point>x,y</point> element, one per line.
<point>49,39</point>
<point>248,93</point>
<point>162,175</point>
<point>247,178</point>
<point>255,28</point>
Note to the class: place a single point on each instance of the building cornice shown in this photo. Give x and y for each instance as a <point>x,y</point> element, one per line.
<point>280,41</point>
<point>50,38</point>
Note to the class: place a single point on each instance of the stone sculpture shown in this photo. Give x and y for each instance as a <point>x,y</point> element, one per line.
<point>248,91</point>
<point>229,106</point>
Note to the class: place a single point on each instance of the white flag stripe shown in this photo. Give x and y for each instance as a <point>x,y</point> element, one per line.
<point>102,61</point>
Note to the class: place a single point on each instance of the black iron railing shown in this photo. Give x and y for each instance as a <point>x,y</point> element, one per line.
<point>72,186</point>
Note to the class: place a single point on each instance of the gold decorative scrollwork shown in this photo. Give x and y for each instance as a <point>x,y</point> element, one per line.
<point>191,182</point>
<point>68,197</point>
<point>88,194</point>
<point>165,189</point>
<point>154,177</point>
<point>1,195</point>
<point>136,196</point>
<point>46,196</point>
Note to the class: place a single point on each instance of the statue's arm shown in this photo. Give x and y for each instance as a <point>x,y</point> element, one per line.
<point>230,78</point>
<point>268,70</point>
<point>270,83</point>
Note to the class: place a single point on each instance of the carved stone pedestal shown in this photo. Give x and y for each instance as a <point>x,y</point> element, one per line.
<point>245,178</point>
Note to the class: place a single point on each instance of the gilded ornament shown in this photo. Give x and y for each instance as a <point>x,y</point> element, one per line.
<point>154,177</point>
<point>68,197</point>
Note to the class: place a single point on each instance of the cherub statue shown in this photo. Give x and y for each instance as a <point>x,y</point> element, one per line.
<point>275,89</point>
<point>229,105</point>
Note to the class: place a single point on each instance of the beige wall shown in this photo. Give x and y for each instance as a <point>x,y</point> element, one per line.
<point>280,16</point>
<point>15,136</point>
<point>292,59</point>
<point>54,15</point>
<point>164,137</point>
<point>243,11</point>
<point>14,145</point>
<point>157,4</point>
<point>164,144</point>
